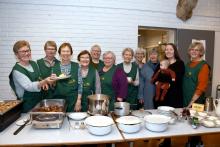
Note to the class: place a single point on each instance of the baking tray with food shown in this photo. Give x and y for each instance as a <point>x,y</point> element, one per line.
<point>49,113</point>
<point>10,110</point>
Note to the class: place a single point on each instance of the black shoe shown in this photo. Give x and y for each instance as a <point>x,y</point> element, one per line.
<point>165,143</point>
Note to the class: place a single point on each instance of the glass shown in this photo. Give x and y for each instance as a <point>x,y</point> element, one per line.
<point>195,49</point>
<point>25,51</point>
<point>108,58</point>
<point>50,48</point>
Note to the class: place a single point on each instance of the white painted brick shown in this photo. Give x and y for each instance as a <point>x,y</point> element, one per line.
<point>113,24</point>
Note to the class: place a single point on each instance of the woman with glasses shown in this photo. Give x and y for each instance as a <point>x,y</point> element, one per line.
<point>90,76</point>
<point>113,80</point>
<point>46,65</point>
<point>25,78</point>
<point>195,82</point>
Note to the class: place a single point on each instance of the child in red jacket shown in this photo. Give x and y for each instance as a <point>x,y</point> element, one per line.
<point>162,79</point>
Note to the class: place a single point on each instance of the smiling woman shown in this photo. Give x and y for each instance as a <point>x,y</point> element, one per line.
<point>91,80</point>
<point>25,77</point>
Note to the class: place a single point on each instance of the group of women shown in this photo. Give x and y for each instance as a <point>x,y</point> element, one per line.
<point>128,81</point>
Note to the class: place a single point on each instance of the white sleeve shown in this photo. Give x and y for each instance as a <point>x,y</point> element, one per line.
<point>136,81</point>
<point>24,82</point>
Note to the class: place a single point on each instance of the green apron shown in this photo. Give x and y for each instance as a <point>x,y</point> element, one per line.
<point>98,66</point>
<point>106,86</point>
<point>46,72</point>
<point>132,90</point>
<point>30,99</point>
<point>67,88</point>
<point>88,87</point>
<point>190,82</point>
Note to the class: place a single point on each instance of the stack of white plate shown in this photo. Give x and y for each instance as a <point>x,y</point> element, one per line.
<point>165,110</point>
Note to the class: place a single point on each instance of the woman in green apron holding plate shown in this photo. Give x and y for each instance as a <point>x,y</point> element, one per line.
<point>46,65</point>
<point>25,77</point>
<point>69,80</point>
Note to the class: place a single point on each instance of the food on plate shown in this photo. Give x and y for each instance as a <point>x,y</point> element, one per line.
<point>217,122</point>
<point>209,123</point>
<point>212,118</point>
<point>203,114</point>
<point>52,108</point>
<point>62,75</point>
<point>6,105</point>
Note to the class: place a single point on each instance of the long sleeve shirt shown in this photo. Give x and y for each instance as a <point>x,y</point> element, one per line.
<point>203,78</point>
<point>23,83</point>
<point>120,83</point>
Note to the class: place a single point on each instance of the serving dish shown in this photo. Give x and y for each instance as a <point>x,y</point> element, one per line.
<point>49,113</point>
<point>77,115</point>
<point>99,125</point>
<point>129,124</point>
<point>10,111</point>
<point>156,122</point>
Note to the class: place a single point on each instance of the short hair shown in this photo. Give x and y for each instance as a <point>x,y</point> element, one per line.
<point>84,52</point>
<point>65,44</point>
<point>199,45</point>
<point>153,50</point>
<point>96,46</point>
<point>129,50</point>
<point>140,50</point>
<point>19,44</point>
<point>165,61</point>
<point>50,43</point>
<point>109,52</point>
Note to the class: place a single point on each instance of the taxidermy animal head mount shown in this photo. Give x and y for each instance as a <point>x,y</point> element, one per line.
<point>184,9</point>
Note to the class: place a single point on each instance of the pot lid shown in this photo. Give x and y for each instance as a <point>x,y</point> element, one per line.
<point>128,120</point>
<point>99,121</point>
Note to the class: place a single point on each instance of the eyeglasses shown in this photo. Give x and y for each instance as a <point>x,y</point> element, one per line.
<point>50,48</point>
<point>25,51</point>
<point>195,49</point>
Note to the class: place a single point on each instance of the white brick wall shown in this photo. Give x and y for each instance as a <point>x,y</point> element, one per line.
<point>113,24</point>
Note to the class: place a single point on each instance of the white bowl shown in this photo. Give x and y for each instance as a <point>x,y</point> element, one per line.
<point>77,115</point>
<point>128,120</point>
<point>165,108</point>
<point>99,125</point>
<point>156,123</point>
<point>99,130</point>
<point>99,121</point>
<point>129,128</point>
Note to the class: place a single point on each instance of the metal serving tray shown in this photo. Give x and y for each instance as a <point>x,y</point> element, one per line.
<point>49,113</point>
<point>10,113</point>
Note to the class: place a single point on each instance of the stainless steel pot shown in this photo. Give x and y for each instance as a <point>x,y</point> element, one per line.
<point>121,108</point>
<point>98,104</point>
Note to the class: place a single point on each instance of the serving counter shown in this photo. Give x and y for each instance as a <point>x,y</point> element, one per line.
<point>68,135</point>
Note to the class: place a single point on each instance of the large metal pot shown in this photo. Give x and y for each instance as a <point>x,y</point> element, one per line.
<point>121,108</point>
<point>98,104</point>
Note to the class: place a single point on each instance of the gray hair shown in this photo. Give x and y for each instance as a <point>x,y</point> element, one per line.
<point>140,50</point>
<point>153,50</point>
<point>129,50</point>
<point>109,52</point>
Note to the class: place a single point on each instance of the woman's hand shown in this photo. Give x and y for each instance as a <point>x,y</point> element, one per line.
<point>77,107</point>
<point>141,100</point>
<point>119,99</point>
